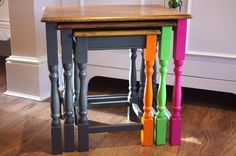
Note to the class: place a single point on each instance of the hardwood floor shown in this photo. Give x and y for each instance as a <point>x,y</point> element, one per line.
<point>209,125</point>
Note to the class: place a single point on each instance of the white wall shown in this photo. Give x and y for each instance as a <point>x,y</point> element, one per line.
<point>211,57</point>
<point>213,27</point>
<point>4,10</point>
<point>4,22</point>
<point>22,28</point>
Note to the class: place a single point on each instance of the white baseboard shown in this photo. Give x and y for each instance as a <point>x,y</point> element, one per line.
<point>26,96</point>
<point>204,83</point>
<point>209,65</point>
<point>212,54</point>
<point>26,60</point>
<point>27,77</point>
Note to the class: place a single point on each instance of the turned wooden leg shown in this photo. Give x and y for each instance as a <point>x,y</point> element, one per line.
<point>81,59</point>
<point>132,97</point>
<point>83,121</point>
<point>66,43</point>
<point>56,136</point>
<point>154,85</point>
<point>147,120</point>
<point>179,55</point>
<point>142,84</point>
<point>76,85</point>
<point>76,80</point>
<point>163,55</point>
<point>52,57</point>
<point>62,108</point>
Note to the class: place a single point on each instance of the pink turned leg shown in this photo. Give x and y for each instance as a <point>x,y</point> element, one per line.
<point>179,55</point>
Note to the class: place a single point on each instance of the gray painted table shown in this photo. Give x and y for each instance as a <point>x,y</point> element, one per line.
<point>103,27</point>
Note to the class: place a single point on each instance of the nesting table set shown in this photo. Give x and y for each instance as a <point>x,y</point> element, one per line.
<point>84,28</point>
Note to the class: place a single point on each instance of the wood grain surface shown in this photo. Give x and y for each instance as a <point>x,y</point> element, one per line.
<point>209,125</point>
<point>118,25</point>
<point>110,13</point>
<point>116,33</point>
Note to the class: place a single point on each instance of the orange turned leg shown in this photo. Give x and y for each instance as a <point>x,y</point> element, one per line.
<point>147,120</point>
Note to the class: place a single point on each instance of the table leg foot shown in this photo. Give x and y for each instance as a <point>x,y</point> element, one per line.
<point>160,131</point>
<point>131,114</point>
<point>175,132</point>
<point>69,140</point>
<point>56,140</point>
<point>83,137</point>
<point>146,136</point>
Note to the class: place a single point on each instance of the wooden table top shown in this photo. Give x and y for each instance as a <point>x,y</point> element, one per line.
<point>116,33</point>
<point>107,13</point>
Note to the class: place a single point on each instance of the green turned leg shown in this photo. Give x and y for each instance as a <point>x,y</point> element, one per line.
<point>164,55</point>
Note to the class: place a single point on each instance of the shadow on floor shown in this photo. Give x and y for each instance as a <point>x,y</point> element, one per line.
<point>189,95</point>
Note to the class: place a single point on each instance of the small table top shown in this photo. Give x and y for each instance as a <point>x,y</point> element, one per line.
<point>110,13</point>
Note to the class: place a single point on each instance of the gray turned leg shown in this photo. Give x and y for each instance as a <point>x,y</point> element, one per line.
<point>56,137</point>
<point>66,43</point>
<point>52,57</point>
<point>81,59</point>
<point>142,84</point>
<point>154,105</point>
<point>76,85</point>
<point>132,97</point>
<point>62,108</point>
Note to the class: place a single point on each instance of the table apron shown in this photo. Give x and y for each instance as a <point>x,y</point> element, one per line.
<point>116,42</point>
